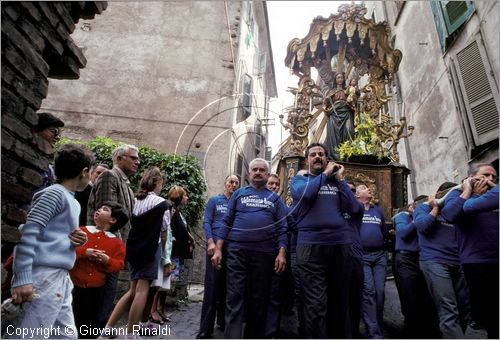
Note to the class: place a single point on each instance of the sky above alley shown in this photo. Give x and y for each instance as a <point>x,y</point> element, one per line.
<point>288,20</point>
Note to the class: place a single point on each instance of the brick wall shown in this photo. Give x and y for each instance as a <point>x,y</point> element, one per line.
<point>36,46</point>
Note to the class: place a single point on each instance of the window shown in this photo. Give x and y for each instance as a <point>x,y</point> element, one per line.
<point>476,93</point>
<point>449,16</point>
<point>259,64</point>
<point>239,167</point>
<point>246,98</point>
<point>258,136</point>
<point>269,154</point>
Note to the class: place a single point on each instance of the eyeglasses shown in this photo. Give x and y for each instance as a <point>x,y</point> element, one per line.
<point>55,131</point>
<point>133,158</point>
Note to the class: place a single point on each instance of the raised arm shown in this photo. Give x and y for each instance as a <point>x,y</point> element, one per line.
<point>486,202</point>
<point>425,216</point>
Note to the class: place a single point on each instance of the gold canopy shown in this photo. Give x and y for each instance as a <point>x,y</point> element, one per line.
<point>350,36</point>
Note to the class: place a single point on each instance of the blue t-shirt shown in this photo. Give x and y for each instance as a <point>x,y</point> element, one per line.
<point>214,213</point>
<point>477,225</point>
<point>320,205</point>
<point>406,233</point>
<point>373,230</point>
<point>255,219</point>
<point>436,236</point>
<point>355,223</point>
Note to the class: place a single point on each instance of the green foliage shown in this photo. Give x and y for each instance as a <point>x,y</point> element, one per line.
<point>179,170</point>
<point>365,142</point>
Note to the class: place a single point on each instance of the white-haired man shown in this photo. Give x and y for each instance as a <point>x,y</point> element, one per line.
<point>113,186</point>
<point>255,219</point>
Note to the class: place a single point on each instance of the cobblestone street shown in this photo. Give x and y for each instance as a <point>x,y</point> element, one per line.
<point>185,320</point>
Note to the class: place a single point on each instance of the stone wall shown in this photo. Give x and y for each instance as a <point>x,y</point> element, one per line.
<point>36,46</point>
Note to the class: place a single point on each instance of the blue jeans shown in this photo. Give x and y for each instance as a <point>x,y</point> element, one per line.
<point>446,283</point>
<point>374,268</point>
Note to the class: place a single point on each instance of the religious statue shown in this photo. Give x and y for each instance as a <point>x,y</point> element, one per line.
<point>340,124</point>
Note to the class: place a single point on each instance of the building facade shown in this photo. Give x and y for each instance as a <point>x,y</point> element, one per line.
<point>447,85</point>
<point>187,77</point>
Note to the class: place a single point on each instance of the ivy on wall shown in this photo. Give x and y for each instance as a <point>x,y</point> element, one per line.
<point>179,170</point>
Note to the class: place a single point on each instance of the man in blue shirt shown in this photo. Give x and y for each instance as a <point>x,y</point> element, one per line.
<point>440,264</point>
<point>475,210</point>
<point>416,303</point>
<point>373,233</point>
<point>324,241</point>
<point>214,296</point>
<point>255,221</point>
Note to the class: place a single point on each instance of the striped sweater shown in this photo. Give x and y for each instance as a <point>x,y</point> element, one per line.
<point>45,235</point>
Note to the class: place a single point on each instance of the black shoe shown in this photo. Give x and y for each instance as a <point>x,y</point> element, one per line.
<point>204,336</point>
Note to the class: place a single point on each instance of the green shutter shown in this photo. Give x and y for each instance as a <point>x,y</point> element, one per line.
<point>455,13</point>
<point>440,26</point>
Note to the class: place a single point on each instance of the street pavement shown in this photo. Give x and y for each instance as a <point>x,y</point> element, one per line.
<point>186,320</point>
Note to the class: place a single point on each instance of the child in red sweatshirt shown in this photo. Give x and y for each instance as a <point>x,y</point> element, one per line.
<point>102,254</point>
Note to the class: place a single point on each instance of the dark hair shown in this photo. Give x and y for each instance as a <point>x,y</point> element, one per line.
<point>71,159</point>
<point>419,199</point>
<point>102,165</point>
<point>343,77</point>
<point>310,146</point>
<point>446,185</point>
<point>118,213</point>
<point>46,120</point>
<point>149,181</point>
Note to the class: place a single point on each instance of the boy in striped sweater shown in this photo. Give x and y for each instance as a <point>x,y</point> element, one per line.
<point>46,253</point>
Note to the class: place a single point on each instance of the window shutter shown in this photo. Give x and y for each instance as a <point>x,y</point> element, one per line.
<point>239,166</point>
<point>455,13</point>
<point>247,96</point>
<point>258,136</point>
<point>269,154</point>
<point>440,25</point>
<point>479,90</point>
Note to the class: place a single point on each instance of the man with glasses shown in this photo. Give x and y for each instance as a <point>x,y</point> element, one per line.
<point>46,134</point>
<point>113,186</point>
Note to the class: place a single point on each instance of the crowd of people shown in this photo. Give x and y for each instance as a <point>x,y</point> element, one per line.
<point>334,242</point>
<point>329,246</point>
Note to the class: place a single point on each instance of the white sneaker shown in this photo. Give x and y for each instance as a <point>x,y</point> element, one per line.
<point>132,335</point>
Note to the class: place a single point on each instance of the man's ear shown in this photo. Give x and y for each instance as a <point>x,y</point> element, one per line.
<point>112,220</point>
<point>85,171</point>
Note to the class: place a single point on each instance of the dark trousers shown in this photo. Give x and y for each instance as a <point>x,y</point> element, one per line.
<point>323,271</point>
<point>252,270</point>
<point>108,299</point>
<point>482,279</point>
<point>416,302</point>
<point>298,295</point>
<point>214,296</point>
<point>355,298</point>
<point>273,308</point>
<point>87,303</point>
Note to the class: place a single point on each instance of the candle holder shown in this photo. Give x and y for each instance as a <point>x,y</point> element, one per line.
<point>390,135</point>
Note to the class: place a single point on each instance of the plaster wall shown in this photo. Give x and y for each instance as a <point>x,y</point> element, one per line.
<point>160,74</point>
<point>437,146</point>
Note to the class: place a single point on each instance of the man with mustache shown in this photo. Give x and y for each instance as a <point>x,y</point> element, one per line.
<point>255,221</point>
<point>324,243</point>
